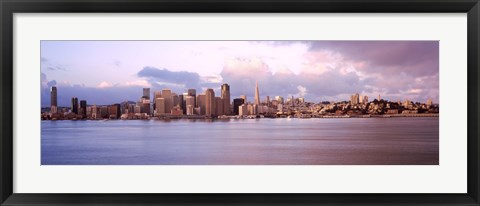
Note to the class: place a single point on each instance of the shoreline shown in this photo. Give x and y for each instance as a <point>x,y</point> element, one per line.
<point>432,115</point>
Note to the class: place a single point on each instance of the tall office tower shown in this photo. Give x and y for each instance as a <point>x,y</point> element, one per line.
<point>226,99</point>
<point>379,97</point>
<point>250,109</point>
<point>146,93</point>
<point>146,108</point>
<point>167,95</point>
<point>257,95</point>
<point>181,103</point>
<point>268,100</point>
<point>244,97</point>
<point>176,100</point>
<point>74,105</point>
<point>209,102</point>
<point>255,109</point>
<point>237,102</point>
<point>185,94</point>
<point>354,99</point>
<point>83,107</point>
<point>160,109</point>
<point>365,99</point>
<point>189,105</point>
<point>53,99</point>
<point>219,104</point>
<point>201,103</point>
<point>193,93</point>
<point>156,94</point>
<point>360,99</point>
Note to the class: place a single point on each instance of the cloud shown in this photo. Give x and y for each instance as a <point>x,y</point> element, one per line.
<point>140,83</point>
<point>155,75</point>
<point>242,74</point>
<point>104,84</point>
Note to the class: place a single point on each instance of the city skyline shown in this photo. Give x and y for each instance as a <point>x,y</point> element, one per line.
<point>315,70</point>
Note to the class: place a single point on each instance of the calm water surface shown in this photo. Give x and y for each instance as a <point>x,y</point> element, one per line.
<point>350,141</point>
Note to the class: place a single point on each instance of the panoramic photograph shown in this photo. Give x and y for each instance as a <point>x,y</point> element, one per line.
<point>239,102</point>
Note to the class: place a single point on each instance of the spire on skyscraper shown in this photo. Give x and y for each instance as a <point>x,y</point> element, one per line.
<point>257,94</point>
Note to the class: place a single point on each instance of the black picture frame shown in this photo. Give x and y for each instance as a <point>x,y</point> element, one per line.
<point>9,7</point>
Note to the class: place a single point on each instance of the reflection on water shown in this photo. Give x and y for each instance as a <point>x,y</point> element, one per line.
<point>352,141</point>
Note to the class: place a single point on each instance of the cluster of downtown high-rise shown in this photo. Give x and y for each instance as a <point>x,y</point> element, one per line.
<point>167,104</point>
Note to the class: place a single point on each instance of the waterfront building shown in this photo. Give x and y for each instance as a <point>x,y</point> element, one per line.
<point>226,99</point>
<point>53,100</point>
<point>160,109</point>
<point>219,104</point>
<point>209,102</point>
<point>137,109</point>
<point>190,110</point>
<point>181,103</point>
<point>177,111</point>
<point>156,94</point>
<point>83,108</point>
<point>167,95</point>
<point>189,101</point>
<point>146,108</point>
<point>95,111</point>
<point>257,94</point>
<point>201,104</point>
<point>237,102</point>
<point>242,110</point>
<point>114,111</point>
<point>193,93</point>
<point>74,105</point>
<point>354,99</point>
<point>250,109</point>
<point>176,100</point>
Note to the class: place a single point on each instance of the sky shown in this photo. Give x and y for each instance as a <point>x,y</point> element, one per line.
<point>107,72</point>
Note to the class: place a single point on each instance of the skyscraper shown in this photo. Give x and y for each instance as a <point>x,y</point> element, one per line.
<point>53,100</point>
<point>226,99</point>
<point>167,95</point>
<point>146,93</point>
<point>83,107</point>
<point>189,104</point>
<point>257,95</point>
<point>201,103</point>
<point>53,96</point>
<point>354,99</point>
<point>160,108</point>
<point>209,102</point>
<point>193,93</point>
<point>74,105</point>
